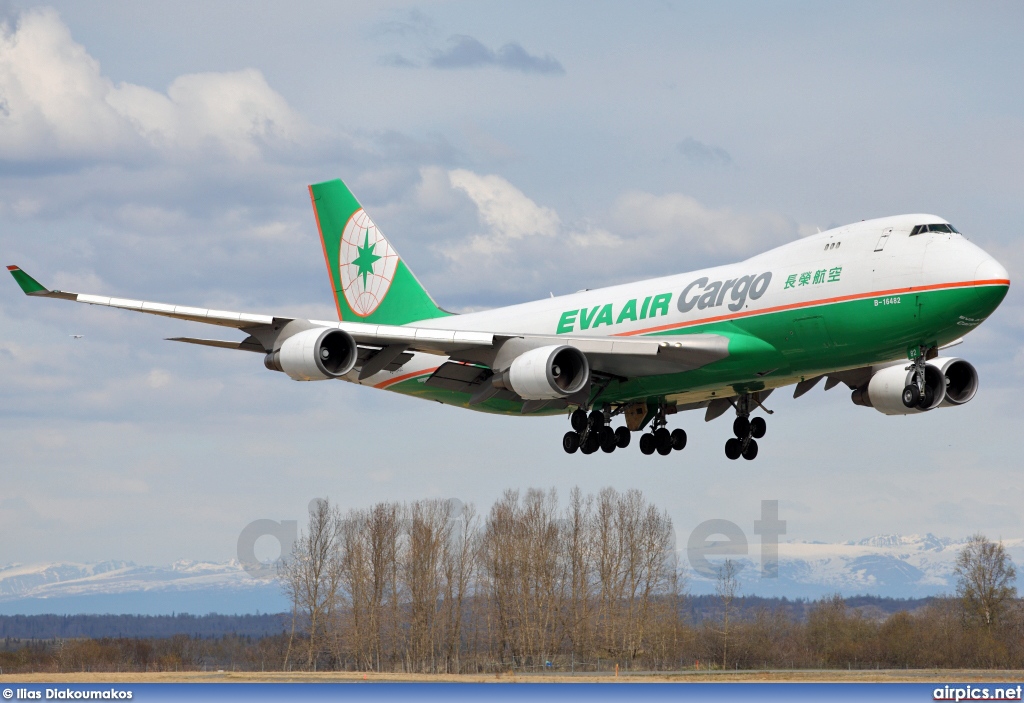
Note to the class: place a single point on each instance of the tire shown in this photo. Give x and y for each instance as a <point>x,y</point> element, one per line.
<point>741,427</point>
<point>758,427</point>
<point>733,448</point>
<point>578,419</point>
<point>622,437</point>
<point>678,439</point>
<point>664,441</point>
<point>590,446</point>
<point>927,399</point>
<point>570,442</point>
<point>647,443</point>
<point>911,396</point>
<point>608,441</point>
<point>596,419</point>
<point>751,451</point>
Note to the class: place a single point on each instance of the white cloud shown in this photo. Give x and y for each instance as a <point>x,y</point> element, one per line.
<point>506,211</point>
<point>679,220</point>
<point>56,104</point>
<point>528,247</point>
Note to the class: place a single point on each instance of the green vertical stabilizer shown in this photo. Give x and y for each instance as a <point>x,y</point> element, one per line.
<point>370,281</point>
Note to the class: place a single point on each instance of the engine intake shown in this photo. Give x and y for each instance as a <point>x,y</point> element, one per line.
<point>315,355</point>
<point>961,380</point>
<point>548,373</point>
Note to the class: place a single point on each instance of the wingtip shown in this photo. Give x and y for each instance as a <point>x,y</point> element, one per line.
<point>29,285</point>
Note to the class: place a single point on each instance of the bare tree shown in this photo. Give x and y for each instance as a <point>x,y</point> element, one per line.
<point>726,587</point>
<point>429,531</point>
<point>458,562</point>
<point>578,542</point>
<point>311,576</point>
<point>985,577</point>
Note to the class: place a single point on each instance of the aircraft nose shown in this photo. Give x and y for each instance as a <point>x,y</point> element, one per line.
<point>991,271</point>
<point>991,283</point>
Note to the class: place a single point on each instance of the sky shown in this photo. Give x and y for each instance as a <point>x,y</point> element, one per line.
<point>509,151</point>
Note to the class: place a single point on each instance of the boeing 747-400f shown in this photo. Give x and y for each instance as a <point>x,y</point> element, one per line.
<point>869,305</point>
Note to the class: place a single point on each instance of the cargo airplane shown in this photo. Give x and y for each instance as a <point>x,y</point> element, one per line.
<point>869,305</point>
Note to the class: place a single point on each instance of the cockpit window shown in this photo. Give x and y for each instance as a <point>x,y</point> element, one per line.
<point>921,229</point>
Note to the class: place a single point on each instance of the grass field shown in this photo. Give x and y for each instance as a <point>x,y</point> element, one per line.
<point>801,676</point>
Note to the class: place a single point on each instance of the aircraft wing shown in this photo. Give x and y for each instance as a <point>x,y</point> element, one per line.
<point>616,356</point>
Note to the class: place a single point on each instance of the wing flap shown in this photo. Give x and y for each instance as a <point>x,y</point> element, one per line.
<point>247,344</point>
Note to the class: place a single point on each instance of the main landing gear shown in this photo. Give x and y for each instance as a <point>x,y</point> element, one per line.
<point>591,432</point>
<point>747,430</point>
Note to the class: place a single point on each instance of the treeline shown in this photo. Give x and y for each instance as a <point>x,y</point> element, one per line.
<point>832,636</point>
<point>16,629</point>
<point>532,585</point>
<point>419,588</point>
<point>178,653</point>
<point>45,627</point>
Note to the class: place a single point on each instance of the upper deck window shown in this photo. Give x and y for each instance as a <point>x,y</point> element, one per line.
<point>921,229</point>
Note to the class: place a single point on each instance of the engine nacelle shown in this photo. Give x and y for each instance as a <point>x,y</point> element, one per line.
<point>548,373</point>
<point>884,392</point>
<point>961,380</point>
<point>315,355</point>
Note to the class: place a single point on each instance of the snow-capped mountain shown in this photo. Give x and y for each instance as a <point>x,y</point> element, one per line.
<point>896,566</point>
<point>123,587</point>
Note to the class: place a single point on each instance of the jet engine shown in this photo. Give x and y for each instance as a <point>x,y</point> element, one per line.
<point>547,373</point>
<point>948,382</point>
<point>315,355</point>
<point>961,380</point>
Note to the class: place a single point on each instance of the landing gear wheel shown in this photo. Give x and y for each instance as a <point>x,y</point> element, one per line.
<point>911,396</point>
<point>750,451</point>
<point>591,444</point>
<point>927,398</point>
<point>608,441</point>
<point>648,444</point>
<point>733,449</point>
<point>578,419</point>
<point>741,427</point>
<point>571,442</point>
<point>663,440</point>
<point>678,439</point>
<point>758,427</point>
<point>596,420</point>
<point>622,437</point>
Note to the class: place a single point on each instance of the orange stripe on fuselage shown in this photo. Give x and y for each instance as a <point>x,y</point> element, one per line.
<point>327,260</point>
<point>392,381</point>
<point>812,303</point>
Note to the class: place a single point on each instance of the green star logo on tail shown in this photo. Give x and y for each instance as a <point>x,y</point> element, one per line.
<point>366,259</point>
<point>367,264</point>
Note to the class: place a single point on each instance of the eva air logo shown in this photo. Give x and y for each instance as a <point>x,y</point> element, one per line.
<point>367,265</point>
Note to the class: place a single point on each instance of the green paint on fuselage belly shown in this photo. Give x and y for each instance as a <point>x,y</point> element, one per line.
<point>793,343</point>
<point>414,387</point>
<point>857,333</point>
